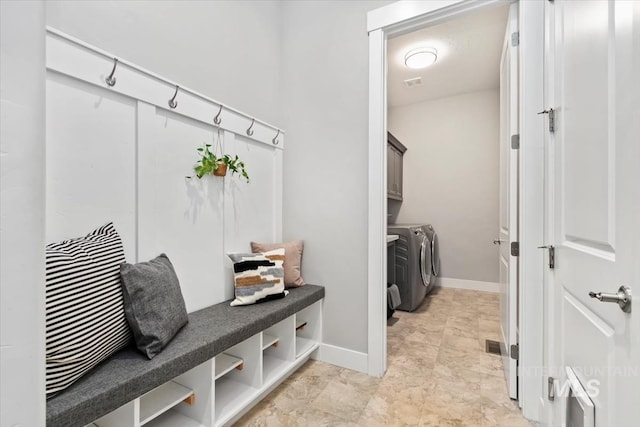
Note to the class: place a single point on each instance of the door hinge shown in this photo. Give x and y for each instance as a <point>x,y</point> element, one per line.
<point>515,248</point>
<point>552,118</point>
<point>515,38</point>
<point>515,351</point>
<point>515,141</point>
<point>551,392</point>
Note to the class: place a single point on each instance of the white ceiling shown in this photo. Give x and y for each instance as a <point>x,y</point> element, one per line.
<point>469,51</point>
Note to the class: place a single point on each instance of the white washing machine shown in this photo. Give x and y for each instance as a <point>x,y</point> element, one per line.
<point>413,264</point>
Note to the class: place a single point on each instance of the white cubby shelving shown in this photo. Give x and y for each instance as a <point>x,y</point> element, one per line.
<point>219,391</point>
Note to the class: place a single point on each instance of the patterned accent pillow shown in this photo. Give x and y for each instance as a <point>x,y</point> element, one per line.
<point>258,277</point>
<point>84,309</point>
<point>292,259</point>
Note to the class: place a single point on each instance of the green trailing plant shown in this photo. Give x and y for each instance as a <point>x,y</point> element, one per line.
<point>210,163</point>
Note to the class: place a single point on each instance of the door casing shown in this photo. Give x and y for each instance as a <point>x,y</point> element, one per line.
<point>508,219</point>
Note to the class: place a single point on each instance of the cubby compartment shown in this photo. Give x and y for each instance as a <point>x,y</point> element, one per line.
<point>278,350</point>
<point>126,415</point>
<point>225,363</point>
<point>234,388</point>
<point>163,398</point>
<point>183,401</point>
<point>269,340</point>
<point>308,327</point>
<point>173,418</point>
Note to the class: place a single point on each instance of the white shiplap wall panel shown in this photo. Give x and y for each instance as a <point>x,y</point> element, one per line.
<point>252,210</point>
<point>90,161</point>
<point>179,216</point>
<point>120,154</point>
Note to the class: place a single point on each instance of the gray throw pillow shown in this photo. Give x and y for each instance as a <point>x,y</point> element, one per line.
<point>153,303</point>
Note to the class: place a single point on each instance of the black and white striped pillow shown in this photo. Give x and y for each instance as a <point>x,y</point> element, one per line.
<point>85,321</point>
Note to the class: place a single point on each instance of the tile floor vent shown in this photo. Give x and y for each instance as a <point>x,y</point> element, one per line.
<point>416,81</point>
<point>492,347</point>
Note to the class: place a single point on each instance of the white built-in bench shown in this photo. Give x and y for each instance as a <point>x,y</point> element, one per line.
<point>220,364</point>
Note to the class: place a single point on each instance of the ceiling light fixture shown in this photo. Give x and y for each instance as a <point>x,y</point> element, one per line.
<point>421,57</point>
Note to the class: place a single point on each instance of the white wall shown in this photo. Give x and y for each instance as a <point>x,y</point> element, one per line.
<point>228,50</point>
<point>451,178</point>
<point>325,92</point>
<point>22,156</point>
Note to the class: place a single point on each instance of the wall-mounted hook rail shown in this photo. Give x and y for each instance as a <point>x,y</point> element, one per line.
<point>172,102</point>
<point>58,38</point>
<point>250,131</point>
<point>217,120</point>
<point>111,79</point>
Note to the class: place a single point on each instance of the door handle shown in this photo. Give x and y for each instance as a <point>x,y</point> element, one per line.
<point>622,297</point>
<point>498,241</point>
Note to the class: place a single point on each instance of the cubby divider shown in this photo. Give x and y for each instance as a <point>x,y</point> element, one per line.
<point>308,326</point>
<point>235,388</point>
<point>277,359</point>
<point>199,379</point>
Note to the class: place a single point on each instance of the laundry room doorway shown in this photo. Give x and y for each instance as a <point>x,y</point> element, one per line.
<point>387,25</point>
<point>451,168</point>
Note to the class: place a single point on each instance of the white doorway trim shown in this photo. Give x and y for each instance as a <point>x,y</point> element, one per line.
<point>405,16</point>
<point>532,379</point>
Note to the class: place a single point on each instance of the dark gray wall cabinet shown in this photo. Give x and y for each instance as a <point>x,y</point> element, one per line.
<point>395,153</point>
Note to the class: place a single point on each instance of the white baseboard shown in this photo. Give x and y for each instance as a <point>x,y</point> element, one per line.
<point>342,357</point>
<point>473,285</point>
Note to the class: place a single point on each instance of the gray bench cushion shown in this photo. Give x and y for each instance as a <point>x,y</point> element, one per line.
<point>128,374</point>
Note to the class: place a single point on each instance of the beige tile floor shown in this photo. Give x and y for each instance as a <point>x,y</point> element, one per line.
<point>438,375</point>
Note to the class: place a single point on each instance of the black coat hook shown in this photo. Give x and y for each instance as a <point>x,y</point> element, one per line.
<point>250,131</point>
<point>217,120</point>
<point>172,102</point>
<point>111,79</point>
<point>275,138</point>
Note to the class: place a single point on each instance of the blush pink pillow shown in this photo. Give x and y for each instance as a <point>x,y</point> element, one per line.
<point>292,259</point>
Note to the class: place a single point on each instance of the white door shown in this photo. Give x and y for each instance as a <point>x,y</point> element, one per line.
<point>595,214</point>
<point>508,231</point>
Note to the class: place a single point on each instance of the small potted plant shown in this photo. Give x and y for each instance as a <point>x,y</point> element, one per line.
<point>210,163</point>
